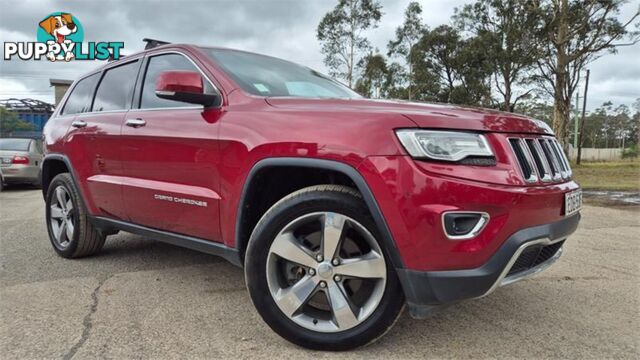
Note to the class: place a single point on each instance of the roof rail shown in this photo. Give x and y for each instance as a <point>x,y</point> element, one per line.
<point>151,43</point>
<point>111,58</point>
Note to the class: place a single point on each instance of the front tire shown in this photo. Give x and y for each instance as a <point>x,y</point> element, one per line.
<point>317,273</point>
<point>70,231</point>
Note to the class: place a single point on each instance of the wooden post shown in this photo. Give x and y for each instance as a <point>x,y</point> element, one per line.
<point>584,108</point>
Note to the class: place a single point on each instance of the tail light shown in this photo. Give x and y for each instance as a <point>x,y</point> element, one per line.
<point>20,160</point>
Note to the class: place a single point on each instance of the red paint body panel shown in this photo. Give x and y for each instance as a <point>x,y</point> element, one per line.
<point>412,201</point>
<point>180,81</point>
<point>175,154</point>
<point>425,115</point>
<point>94,150</point>
<point>253,130</point>
<point>206,156</point>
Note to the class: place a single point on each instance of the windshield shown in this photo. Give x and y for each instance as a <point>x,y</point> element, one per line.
<point>267,76</point>
<point>15,144</point>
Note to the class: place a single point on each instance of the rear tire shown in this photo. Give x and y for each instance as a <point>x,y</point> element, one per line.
<point>309,219</point>
<point>70,231</point>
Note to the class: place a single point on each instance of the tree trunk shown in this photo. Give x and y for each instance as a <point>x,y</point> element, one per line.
<point>561,97</point>
<point>507,97</point>
<point>352,44</point>
<point>410,76</point>
<point>561,108</point>
<point>350,69</point>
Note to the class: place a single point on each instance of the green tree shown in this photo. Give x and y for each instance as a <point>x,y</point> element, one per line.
<point>9,122</point>
<point>625,129</point>
<point>576,32</point>
<point>341,33</point>
<point>535,108</point>
<point>454,67</point>
<point>508,29</point>
<point>407,36</point>
<point>611,126</point>
<point>393,84</point>
<point>374,74</point>
<point>593,131</point>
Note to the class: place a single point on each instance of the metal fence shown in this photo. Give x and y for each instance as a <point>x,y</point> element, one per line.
<point>595,154</point>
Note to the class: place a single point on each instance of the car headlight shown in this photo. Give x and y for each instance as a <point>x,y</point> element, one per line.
<point>444,145</point>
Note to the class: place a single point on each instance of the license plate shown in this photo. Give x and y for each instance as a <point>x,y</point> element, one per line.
<point>572,202</point>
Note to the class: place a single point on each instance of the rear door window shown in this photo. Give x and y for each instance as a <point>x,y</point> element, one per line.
<point>79,100</point>
<point>116,88</point>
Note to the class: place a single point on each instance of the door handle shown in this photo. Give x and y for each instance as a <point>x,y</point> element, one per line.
<point>136,123</point>
<point>79,123</point>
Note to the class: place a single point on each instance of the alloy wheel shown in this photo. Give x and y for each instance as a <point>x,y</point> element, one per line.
<point>326,272</point>
<point>62,215</point>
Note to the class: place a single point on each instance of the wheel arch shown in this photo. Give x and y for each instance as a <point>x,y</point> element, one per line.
<point>243,231</point>
<point>52,165</point>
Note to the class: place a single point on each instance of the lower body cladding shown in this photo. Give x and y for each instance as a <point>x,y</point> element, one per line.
<point>524,254</point>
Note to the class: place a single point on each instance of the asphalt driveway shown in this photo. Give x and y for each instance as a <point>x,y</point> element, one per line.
<point>145,299</point>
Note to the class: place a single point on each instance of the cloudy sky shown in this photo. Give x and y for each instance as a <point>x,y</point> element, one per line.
<point>282,28</point>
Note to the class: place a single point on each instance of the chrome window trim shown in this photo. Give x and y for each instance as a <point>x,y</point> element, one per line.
<point>102,112</point>
<point>131,109</point>
<point>168,108</point>
<point>477,229</point>
<point>503,280</point>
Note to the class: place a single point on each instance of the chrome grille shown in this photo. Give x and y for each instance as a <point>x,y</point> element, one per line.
<point>540,159</point>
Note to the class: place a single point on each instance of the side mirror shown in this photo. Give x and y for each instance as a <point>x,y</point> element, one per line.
<point>185,86</point>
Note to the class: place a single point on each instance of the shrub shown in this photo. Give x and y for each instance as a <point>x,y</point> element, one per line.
<point>630,152</point>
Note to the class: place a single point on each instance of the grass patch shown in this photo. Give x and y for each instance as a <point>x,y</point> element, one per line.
<point>623,175</point>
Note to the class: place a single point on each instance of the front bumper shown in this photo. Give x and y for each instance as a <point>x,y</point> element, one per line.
<point>413,200</point>
<point>427,290</point>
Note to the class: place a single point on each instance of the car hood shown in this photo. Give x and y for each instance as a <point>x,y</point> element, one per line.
<point>424,115</point>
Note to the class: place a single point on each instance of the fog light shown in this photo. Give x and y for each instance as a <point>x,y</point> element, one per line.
<point>462,225</point>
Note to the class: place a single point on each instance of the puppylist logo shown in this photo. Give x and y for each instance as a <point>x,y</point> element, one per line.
<point>60,37</point>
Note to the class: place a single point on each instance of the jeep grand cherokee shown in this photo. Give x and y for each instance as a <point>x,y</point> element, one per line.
<point>341,209</point>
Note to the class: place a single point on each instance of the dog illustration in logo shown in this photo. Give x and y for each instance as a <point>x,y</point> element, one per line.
<point>59,27</point>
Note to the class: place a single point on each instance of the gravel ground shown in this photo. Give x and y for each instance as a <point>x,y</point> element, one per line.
<point>145,299</point>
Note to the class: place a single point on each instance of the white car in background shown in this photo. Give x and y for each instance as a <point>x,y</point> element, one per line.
<point>20,160</point>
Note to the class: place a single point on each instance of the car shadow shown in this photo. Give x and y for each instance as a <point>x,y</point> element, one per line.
<point>507,314</point>
<point>18,187</point>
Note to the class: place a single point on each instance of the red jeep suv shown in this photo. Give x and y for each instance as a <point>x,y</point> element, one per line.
<point>341,209</point>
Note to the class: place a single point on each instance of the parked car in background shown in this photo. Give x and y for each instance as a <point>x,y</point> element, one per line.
<point>20,160</point>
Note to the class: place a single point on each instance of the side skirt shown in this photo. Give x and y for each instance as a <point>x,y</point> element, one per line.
<point>205,246</point>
